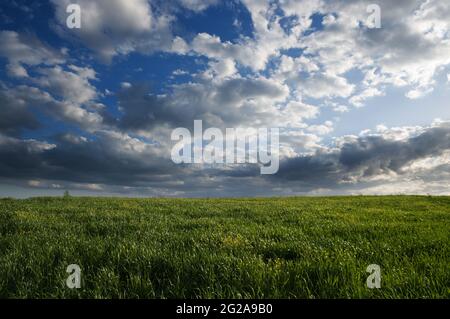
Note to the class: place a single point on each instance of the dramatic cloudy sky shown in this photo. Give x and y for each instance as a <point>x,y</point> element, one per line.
<point>91,110</point>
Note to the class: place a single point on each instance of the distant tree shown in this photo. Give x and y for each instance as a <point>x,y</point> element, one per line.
<point>66,194</point>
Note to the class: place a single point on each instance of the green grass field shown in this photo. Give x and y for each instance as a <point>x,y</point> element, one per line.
<point>225,248</point>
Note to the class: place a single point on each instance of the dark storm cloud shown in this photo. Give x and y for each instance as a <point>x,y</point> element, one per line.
<point>366,157</point>
<point>116,159</point>
<point>21,159</point>
<point>143,110</point>
<point>20,104</point>
<point>15,115</point>
<point>109,159</point>
<point>225,103</point>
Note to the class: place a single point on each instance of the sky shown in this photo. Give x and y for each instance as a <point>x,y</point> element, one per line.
<point>361,110</point>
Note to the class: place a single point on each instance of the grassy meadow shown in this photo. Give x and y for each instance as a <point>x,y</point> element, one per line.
<point>225,248</point>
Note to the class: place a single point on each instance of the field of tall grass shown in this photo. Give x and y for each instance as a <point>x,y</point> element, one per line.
<point>225,248</point>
